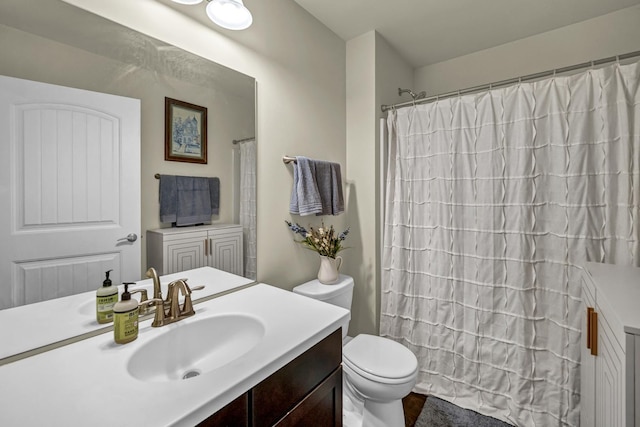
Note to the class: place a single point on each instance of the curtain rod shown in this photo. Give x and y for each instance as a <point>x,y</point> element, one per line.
<point>539,75</point>
<point>238,141</point>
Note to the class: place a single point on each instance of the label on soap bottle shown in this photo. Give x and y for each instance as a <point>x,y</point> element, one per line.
<point>125,326</point>
<point>104,307</point>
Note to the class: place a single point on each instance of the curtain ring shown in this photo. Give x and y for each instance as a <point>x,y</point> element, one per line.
<point>618,59</point>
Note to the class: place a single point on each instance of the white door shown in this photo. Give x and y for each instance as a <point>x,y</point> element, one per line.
<point>69,190</point>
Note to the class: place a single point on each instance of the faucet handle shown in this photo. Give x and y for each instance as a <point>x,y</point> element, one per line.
<point>187,307</point>
<point>158,320</point>
<point>144,308</point>
<point>144,296</point>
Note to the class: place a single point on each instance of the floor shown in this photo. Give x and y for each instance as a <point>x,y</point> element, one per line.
<point>412,404</point>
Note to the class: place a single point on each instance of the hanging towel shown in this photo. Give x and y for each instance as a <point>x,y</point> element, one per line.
<point>214,195</point>
<point>305,198</point>
<point>188,200</point>
<point>317,188</point>
<point>194,201</point>
<point>329,181</point>
<point>168,198</point>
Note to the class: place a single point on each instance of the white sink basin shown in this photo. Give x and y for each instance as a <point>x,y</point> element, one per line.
<point>186,350</point>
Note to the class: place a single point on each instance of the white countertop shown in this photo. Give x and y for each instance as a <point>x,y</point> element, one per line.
<point>621,287</point>
<point>87,383</point>
<point>56,320</point>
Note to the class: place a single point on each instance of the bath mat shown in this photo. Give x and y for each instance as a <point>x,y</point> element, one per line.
<point>440,413</point>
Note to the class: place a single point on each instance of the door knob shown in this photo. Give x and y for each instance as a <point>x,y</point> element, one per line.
<point>131,237</point>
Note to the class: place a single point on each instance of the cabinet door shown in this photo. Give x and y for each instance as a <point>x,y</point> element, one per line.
<point>226,251</point>
<point>184,254</point>
<point>610,381</point>
<point>321,408</point>
<point>235,414</point>
<point>283,391</point>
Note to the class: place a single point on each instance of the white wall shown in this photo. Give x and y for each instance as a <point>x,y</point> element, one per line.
<point>608,35</point>
<point>299,66</point>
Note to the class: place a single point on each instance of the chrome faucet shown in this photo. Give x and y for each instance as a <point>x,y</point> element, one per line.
<point>174,312</point>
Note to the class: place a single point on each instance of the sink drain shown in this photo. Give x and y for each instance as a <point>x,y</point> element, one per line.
<point>190,374</point>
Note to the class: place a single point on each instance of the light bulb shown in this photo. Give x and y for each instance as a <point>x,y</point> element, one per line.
<point>187,1</point>
<point>229,14</point>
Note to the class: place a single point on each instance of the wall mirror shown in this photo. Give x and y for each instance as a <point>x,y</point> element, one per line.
<point>56,43</point>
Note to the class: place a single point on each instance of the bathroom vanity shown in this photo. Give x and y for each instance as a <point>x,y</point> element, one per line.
<point>258,356</point>
<point>307,391</point>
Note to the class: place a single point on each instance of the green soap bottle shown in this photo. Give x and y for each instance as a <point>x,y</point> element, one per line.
<point>106,297</point>
<point>125,318</point>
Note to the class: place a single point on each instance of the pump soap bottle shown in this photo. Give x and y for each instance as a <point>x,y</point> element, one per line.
<point>125,318</point>
<point>106,297</point>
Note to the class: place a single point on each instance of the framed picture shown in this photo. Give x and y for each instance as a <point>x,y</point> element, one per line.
<point>185,135</point>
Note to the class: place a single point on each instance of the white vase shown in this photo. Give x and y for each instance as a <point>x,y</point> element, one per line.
<point>328,272</point>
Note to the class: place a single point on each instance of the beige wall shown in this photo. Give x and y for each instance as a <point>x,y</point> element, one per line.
<point>299,66</point>
<point>360,261</point>
<point>374,73</point>
<point>608,35</point>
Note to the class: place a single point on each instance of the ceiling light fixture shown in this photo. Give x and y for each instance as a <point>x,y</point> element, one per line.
<point>229,14</point>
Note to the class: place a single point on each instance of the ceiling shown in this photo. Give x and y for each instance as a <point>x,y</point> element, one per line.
<point>425,32</point>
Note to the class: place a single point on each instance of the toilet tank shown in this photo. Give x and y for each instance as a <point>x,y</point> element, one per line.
<point>339,293</point>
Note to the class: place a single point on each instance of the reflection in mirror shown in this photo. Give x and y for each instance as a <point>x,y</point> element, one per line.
<point>58,44</point>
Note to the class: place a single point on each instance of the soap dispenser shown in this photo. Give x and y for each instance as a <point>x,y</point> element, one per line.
<point>125,318</point>
<point>106,297</point>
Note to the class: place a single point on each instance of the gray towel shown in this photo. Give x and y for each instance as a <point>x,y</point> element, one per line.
<point>168,198</point>
<point>317,188</point>
<point>329,183</point>
<point>305,198</point>
<point>194,201</point>
<point>214,195</point>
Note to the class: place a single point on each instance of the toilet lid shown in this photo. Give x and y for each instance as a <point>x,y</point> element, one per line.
<point>316,290</point>
<point>380,357</point>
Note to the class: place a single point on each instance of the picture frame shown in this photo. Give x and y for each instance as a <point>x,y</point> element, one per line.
<point>185,137</point>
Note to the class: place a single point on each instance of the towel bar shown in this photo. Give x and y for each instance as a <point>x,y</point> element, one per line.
<point>288,159</point>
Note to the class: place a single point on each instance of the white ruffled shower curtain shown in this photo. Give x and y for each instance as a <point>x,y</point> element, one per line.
<point>494,201</point>
<point>248,206</point>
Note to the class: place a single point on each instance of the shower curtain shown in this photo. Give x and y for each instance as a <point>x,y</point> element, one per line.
<point>248,205</point>
<point>493,203</point>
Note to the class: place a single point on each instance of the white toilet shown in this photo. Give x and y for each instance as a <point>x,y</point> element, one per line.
<point>378,372</point>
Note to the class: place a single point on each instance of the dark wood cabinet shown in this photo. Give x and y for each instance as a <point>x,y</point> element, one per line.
<point>307,391</point>
<point>321,407</point>
<point>235,414</point>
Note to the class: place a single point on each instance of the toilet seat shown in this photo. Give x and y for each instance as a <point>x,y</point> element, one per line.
<point>380,359</point>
